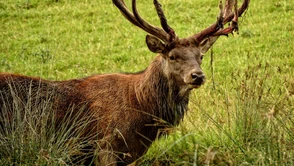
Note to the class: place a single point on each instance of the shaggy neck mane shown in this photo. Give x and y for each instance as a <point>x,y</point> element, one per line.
<point>159,96</point>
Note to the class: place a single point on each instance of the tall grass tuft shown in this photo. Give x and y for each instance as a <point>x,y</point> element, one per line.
<point>31,134</point>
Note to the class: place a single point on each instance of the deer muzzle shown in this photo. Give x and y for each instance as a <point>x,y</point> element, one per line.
<point>197,78</point>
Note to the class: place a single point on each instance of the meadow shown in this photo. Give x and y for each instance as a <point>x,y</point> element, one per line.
<point>243,115</point>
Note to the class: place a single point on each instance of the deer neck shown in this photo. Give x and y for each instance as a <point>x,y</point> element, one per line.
<point>160,96</point>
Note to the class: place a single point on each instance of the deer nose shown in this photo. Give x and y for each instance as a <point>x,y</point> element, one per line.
<point>198,78</point>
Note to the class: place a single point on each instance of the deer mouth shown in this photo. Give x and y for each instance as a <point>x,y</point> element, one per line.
<point>196,83</point>
<point>199,82</point>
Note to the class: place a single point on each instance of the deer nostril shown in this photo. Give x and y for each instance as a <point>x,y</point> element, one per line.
<point>197,78</point>
<point>194,76</point>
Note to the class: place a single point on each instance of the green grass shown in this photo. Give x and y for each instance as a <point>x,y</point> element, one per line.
<point>243,115</point>
<point>31,135</point>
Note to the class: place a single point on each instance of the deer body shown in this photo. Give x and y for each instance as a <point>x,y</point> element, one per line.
<point>128,111</point>
<point>128,107</point>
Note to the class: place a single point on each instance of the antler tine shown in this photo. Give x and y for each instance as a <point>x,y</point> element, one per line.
<point>228,7</point>
<point>212,28</point>
<point>234,25</point>
<point>120,4</point>
<point>163,20</point>
<point>239,12</point>
<point>153,30</point>
<point>137,20</point>
<point>216,29</point>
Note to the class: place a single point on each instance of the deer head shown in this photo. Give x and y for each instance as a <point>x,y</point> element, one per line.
<point>183,57</point>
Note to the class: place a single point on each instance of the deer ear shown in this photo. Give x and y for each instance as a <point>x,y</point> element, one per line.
<point>207,43</point>
<point>154,44</point>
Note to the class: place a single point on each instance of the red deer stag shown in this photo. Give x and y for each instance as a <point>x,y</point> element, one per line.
<point>130,109</point>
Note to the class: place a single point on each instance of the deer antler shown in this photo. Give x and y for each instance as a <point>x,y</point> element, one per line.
<point>226,15</point>
<point>163,20</point>
<point>166,34</point>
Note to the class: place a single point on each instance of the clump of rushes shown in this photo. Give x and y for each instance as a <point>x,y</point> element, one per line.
<point>31,135</point>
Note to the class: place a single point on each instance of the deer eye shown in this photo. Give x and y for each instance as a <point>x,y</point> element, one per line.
<point>201,57</point>
<point>172,58</point>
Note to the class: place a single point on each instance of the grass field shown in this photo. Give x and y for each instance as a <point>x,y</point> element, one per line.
<point>243,115</point>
